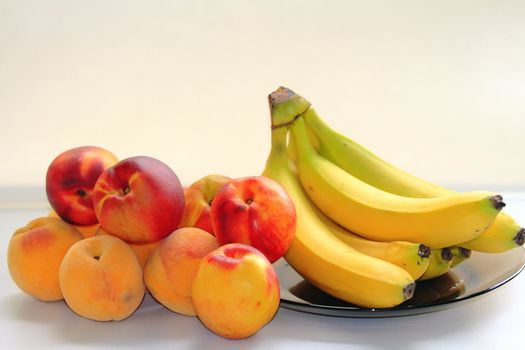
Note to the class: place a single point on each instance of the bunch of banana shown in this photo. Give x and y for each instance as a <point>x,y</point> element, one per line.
<point>367,231</point>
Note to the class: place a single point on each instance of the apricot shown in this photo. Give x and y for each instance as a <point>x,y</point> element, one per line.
<point>35,253</point>
<point>142,250</point>
<point>170,271</point>
<point>86,230</point>
<point>101,279</point>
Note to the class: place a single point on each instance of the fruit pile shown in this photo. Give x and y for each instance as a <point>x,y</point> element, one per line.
<point>367,231</point>
<point>348,222</point>
<point>119,229</point>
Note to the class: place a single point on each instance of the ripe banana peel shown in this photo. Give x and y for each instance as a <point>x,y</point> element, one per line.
<point>382,216</point>
<point>412,257</point>
<point>459,254</point>
<point>440,263</point>
<point>322,259</point>
<point>503,234</point>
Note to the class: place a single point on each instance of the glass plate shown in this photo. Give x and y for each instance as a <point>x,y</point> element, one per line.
<point>479,274</point>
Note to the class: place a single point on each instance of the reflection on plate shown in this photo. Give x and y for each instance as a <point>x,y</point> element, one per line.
<point>478,275</point>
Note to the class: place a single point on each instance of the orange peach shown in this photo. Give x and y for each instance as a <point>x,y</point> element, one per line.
<point>142,250</point>
<point>86,230</point>
<point>236,291</point>
<point>70,179</point>
<point>171,269</point>
<point>139,199</point>
<point>199,197</point>
<point>35,253</point>
<point>101,279</point>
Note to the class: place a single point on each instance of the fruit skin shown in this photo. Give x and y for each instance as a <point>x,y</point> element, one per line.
<point>324,260</point>
<point>35,253</point>
<point>382,216</point>
<point>236,291</point>
<point>503,234</point>
<point>412,257</point>
<point>198,198</point>
<point>143,251</point>
<point>255,210</point>
<point>86,230</point>
<point>70,179</point>
<point>101,279</point>
<point>459,254</point>
<point>440,263</point>
<point>170,271</point>
<point>139,199</point>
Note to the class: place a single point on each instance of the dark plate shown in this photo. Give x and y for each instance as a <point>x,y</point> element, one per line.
<point>478,275</point>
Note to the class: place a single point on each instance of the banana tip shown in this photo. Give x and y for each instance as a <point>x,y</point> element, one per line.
<point>423,251</point>
<point>465,252</point>
<point>520,237</point>
<point>408,290</point>
<point>497,202</point>
<point>446,254</point>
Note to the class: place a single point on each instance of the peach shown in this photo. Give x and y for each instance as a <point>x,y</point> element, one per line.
<point>171,269</point>
<point>257,211</point>
<point>199,197</point>
<point>143,251</point>
<point>86,230</point>
<point>70,179</point>
<point>139,199</point>
<point>236,291</point>
<point>101,279</point>
<point>35,253</point>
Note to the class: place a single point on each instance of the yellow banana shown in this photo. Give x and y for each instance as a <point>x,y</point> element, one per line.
<point>503,234</point>
<point>459,254</point>
<point>321,258</point>
<point>440,262</point>
<point>412,257</point>
<point>382,216</point>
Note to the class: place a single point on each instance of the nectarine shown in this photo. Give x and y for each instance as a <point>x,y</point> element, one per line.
<point>236,291</point>
<point>70,179</point>
<point>257,211</point>
<point>139,199</point>
<point>199,197</point>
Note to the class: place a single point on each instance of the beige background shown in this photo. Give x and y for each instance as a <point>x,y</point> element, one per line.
<point>437,88</point>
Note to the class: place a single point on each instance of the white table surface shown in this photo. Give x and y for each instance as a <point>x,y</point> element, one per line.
<point>494,319</point>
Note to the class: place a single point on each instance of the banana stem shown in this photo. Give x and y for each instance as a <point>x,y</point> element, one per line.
<point>279,136</point>
<point>286,106</point>
<point>303,147</point>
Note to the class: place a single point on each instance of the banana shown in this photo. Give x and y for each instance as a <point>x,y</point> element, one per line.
<point>321,258</point>
<point>382,216</point>
<point>459,254</point>
<point>503,234</point>
<point>440,262</point>
<point>412,257</point>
